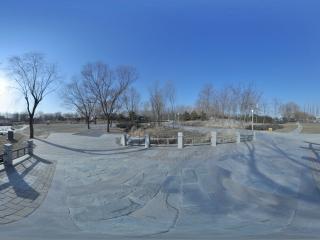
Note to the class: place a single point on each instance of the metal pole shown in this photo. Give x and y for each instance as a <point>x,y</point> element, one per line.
<point>252,119</point>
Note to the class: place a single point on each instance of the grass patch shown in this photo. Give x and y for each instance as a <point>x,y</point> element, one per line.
<point>165,132</point>
<point>18,142</point>
<point>287,127</point>
<point>311,128</point>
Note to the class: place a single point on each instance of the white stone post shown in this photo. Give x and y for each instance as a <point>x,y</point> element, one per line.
<point>30,147</point>
<point>7,157</point>
<point>147,141</point>
<point>213,139</point>
<point>238,137</point>
<point>124,140</point>
<point>254,136</point>
<point>180,139</point>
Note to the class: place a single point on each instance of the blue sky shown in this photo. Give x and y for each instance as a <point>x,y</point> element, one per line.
<point>275,44</point>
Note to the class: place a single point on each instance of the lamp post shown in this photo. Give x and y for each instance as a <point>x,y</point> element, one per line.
<point>252,119</point>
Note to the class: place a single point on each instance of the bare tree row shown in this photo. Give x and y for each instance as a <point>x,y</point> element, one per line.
<point>162,102</point>
<point>229,102</point>
<point>101,89</point>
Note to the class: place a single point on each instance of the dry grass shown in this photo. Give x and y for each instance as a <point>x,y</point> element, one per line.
<point>18,142</point>
<point>43,130</point>
<point>218,123</point>
<point>311,128</point>
<point>287,127</point>
<point>165,132</point>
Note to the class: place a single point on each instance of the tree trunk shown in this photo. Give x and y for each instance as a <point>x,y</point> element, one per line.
<point>108,124</point>
<point>31,126</point>
<point>88,122</point>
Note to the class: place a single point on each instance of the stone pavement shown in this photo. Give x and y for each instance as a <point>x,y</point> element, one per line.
<point>23,188</point>
<point>258,190</point>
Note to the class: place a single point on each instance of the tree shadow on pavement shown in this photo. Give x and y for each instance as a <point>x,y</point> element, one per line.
<point>16,179</point>
<point>120,150</point>
<point>279,188</point>
<point>315,151</point>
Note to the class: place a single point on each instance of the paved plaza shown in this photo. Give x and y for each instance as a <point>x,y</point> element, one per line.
<point>267,189</point>
<point>24,187</point>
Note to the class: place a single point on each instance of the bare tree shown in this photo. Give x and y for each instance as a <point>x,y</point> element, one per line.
<point>131,99</point>
<point>235,93</point>
<point>224,102</point>
<point>146,109</point>
<point>264,107</point>
<point>35,78</point>
<point>76,95</point>
<point>157,100</point>
<point>289,110</point>
<point>108,85</point>
<point>276,107</point>
<point>206,100</point>
<point>171,96</point>
<point>249,98</point>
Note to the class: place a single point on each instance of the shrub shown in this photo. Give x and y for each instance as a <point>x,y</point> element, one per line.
<point>125,125</point>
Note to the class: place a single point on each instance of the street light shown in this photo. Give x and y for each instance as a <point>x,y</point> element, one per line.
<point>252,119</point>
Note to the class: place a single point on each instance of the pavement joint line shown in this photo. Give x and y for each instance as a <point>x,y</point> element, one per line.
<point>20,199</point>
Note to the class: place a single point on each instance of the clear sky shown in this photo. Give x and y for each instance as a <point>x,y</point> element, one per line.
<point>275,44</point>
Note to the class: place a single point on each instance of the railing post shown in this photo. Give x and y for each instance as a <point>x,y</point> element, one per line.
<point>238,137</point>
<point>147,141</point>
<point>124,140</point>
<point>30,147</point>
<point>180,139</point>
<point>10,135</point>
<point>7,157</point>
<point>213,139</point>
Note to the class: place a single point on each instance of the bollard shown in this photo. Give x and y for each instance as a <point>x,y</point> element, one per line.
<point>124,140</point>
<point>213,139</point>
<point>30,147</point>
<point>254,136</point>
<point>7,157</point>
<point>180,139</point>
<point>147,141</point>
<point>238,137</point>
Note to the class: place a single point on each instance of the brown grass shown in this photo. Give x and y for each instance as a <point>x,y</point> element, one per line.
<point>165,132</point>
<point>18,142</point>
<point>43,130</point>
<point>311,128</point>
<point>287,127</point>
